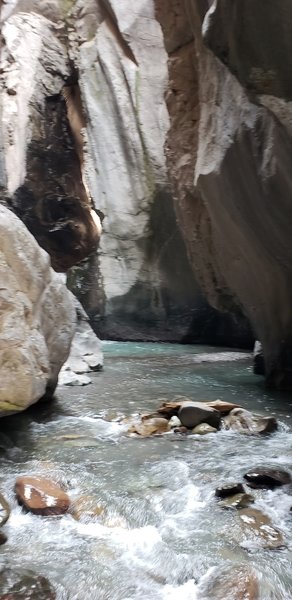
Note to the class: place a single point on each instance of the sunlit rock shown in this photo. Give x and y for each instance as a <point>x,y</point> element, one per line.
<point>23,584</point>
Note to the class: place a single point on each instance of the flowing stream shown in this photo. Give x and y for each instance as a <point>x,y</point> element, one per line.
<point>162,534</point>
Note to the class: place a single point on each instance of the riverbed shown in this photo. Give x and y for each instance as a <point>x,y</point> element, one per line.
<point>161,532</point>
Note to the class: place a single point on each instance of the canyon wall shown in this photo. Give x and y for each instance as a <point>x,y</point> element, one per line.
<point>235,209</point>
<point>85,124</point>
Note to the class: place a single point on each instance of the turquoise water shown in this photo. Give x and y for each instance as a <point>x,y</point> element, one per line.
<point>162,534</point>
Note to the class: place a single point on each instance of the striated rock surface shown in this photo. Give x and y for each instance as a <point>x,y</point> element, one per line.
<point>146,288</point>
<point>37,318</point>
<point>41,159</point>
<point>229,147</point>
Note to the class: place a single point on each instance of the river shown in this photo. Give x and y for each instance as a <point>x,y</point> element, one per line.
<point>162,532</point>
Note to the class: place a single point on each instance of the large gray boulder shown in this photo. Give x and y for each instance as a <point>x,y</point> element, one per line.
<point>37,318</point>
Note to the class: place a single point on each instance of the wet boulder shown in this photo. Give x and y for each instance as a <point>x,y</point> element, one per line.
<point>25,585</point>
<point>41,496</point>
<point>259,529</point>
<point>229,489</point>
<point>192,414</point>
<point>243,421</point>
<point>4,510</point>
<point>265,478</point>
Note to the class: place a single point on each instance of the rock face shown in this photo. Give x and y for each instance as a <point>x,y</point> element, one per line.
<point>231,171</point>
<point>37,317</point>
<point>41,159</point>
<point>146,288</point>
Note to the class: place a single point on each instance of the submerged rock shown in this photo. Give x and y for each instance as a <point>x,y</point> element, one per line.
<point>265,478</point>
<point>86,509</point>
<point>259,528</point>
<point>233,583</point>
<point>25,585</point>
<point>192,414</point>
<point>243,421</point>
<point>77,441</point>
<point>237,501</point>
<point>229,489</point>
<point>204,429</point>
<point>41,496</point>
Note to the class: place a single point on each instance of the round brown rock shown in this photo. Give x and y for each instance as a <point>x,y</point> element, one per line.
<point>192,414</point>
<point>41,496</point>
